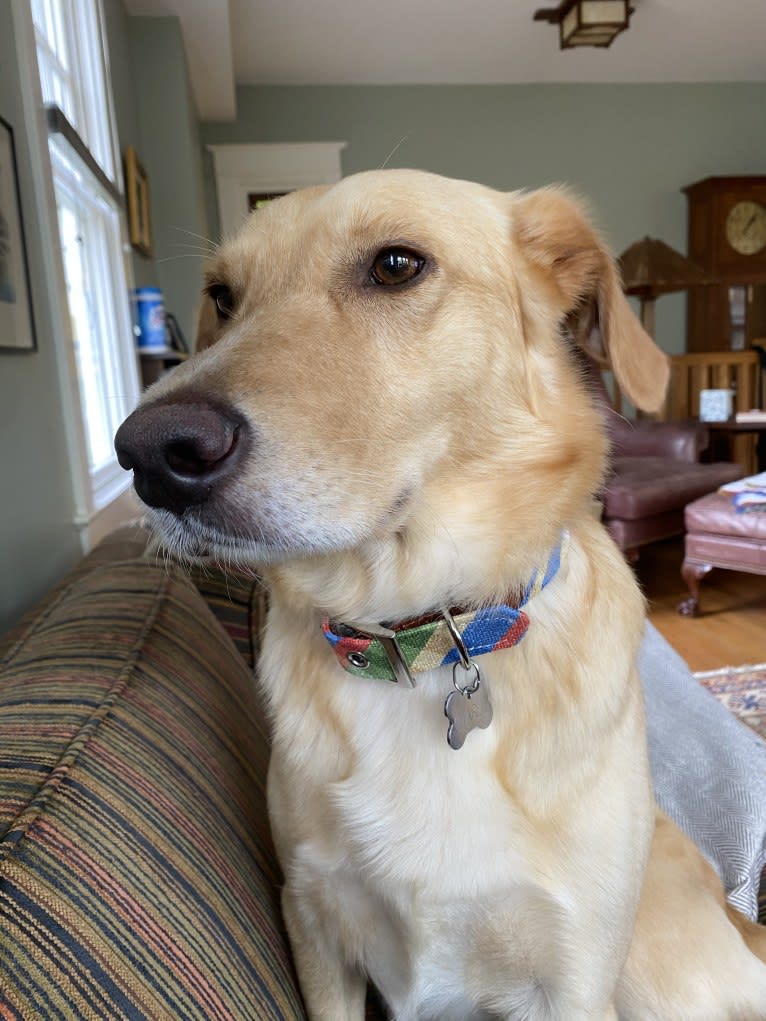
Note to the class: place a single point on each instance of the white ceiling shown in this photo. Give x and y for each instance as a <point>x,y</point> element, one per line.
<point>393,42</point>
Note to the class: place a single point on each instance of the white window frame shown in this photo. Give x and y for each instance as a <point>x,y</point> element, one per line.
<point>94,489</point>
<point>82,32</point>
<point>110,392</point>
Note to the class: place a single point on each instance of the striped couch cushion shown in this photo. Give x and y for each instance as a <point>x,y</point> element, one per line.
<point>238,600</point>
<point>137,877</point>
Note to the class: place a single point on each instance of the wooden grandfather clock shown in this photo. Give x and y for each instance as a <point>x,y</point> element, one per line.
<point>727,238</point>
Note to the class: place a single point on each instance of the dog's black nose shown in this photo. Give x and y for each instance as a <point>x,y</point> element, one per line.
<point>179,451</point>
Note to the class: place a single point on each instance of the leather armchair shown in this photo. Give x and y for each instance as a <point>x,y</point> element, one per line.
<point>681,441</point>
<point>654,472</point>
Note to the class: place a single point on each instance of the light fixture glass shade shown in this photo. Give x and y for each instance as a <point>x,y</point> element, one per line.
<point>650,267</point>
<point>590,40</point>
<point>603,12</point>
<point>593,22</point>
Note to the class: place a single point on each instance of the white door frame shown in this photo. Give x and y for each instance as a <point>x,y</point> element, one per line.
<point>276,167</point>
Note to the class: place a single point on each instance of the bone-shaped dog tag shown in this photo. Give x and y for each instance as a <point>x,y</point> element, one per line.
<point>466,709</point>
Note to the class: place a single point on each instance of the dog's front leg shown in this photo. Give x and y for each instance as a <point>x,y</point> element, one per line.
<point>545,1010</point>
<point>541,1006</point>
<point>602,1014</point>
<point>539,959</point>
<point>332,989</point>
<point>605,1014</point>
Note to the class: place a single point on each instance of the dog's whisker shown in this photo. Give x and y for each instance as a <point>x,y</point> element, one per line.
<point>395,149</point>
<point>212,246</point>
<point>175,258</point>
<point>192,249</point>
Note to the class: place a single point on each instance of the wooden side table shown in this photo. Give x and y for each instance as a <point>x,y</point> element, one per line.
<point>156,363</point>
<point>732,427</point>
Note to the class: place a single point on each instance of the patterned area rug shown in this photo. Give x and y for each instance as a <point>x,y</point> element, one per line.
<point>742,690</point>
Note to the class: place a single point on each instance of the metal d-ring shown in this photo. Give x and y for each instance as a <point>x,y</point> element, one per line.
<point>469,689</point>
<point>457,639</point>
<point>465,659</point>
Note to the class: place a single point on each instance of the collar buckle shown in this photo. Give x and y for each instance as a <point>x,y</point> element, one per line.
<point>387,638</point>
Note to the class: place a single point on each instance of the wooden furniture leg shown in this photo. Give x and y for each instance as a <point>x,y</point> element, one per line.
<point>692,574</point>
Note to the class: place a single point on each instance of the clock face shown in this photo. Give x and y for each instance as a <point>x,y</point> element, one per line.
<point>746,227</point>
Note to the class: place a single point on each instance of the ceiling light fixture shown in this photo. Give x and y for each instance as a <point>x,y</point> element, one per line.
<point>587,22</point>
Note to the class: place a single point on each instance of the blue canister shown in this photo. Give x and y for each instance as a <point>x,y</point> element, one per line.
<point>149,319</point>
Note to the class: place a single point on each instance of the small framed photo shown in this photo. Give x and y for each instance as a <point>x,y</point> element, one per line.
<point>17,331</point>
<point>139,208</point>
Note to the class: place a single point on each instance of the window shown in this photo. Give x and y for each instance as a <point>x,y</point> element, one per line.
<point>85,166</point>
<point>74,74</point>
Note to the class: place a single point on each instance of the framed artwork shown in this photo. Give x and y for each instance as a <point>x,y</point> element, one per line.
<point>139,208</point>
<point>17,332</point>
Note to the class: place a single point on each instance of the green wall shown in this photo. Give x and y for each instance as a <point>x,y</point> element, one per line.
<point>126,111</point>
<point>169,147</point>
<point>628,149</point>
<point>155,113</point>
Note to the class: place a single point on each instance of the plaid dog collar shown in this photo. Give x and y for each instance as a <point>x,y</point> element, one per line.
<point>396,653</point>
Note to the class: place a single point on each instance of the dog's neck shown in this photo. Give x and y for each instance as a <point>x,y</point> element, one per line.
<point>399,653</point>
<point>431,563</point>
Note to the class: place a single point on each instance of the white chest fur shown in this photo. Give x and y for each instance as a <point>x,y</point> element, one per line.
<point>422,850</point>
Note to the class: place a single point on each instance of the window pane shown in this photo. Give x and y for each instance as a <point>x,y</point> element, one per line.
<point>81,311</point>
<point>42,15</point>
<point>98,302</point>
<point>73,73</point>
<point>73,68</point>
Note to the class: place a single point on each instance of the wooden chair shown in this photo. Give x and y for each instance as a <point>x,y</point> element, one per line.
<point>705,370</point>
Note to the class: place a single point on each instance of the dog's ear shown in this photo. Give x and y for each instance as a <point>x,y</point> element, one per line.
<point>207,324</point>
<point>555,236</point>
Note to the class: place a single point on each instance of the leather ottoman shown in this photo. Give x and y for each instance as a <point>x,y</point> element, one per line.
<point>718,536</point>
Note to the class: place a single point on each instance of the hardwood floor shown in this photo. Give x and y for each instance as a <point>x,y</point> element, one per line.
<point>731,628</point>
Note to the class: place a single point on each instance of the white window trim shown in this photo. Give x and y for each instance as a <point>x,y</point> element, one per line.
<point>107,480</point>
<point>269,167</point>
<point>86,509</point>
<point>108,142</point>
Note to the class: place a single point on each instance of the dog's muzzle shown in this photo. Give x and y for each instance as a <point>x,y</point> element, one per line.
<point>180,451</point>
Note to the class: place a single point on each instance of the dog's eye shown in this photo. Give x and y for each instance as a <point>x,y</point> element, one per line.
<point>394,266</point>
<point>223,300</point>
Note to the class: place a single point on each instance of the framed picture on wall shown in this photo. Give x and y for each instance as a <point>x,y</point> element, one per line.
<point>17,332</point>
<point>139,209</point>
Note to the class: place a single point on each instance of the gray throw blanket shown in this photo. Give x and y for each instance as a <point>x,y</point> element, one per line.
<point>709,770</point>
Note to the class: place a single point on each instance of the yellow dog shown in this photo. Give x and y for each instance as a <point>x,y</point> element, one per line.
<point>388,417</point>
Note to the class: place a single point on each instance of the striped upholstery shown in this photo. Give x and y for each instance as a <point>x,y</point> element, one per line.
<point>239,603</point>
<point>137,877</point>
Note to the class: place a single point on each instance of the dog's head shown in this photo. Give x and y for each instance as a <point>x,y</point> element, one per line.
<point>389,356</point>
